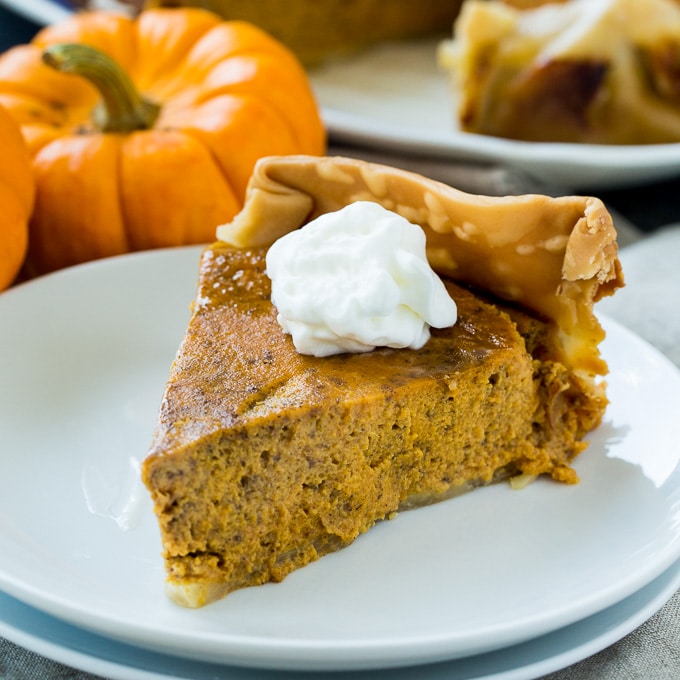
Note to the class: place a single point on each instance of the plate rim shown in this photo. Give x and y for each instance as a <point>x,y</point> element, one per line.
<point>347,124</point>
<point>79,657</point>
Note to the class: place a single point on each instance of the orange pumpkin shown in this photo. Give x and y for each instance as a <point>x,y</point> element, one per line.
<point>152,143</point>
<point>17,190</point>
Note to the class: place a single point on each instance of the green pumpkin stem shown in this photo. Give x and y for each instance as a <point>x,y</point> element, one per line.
<point>123,108</point>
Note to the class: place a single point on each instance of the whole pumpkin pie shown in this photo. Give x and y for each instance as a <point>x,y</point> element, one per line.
<point>265,459</point>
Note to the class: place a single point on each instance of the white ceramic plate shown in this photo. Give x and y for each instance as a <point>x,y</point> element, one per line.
<point>95,654</point>
<point>395,97</point>
<point>84,355</point>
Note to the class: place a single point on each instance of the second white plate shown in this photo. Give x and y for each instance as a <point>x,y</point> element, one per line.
<point>394,97</point>
<point>84,355</point>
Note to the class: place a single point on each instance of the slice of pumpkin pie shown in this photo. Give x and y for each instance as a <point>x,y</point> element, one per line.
<point>283,435</point>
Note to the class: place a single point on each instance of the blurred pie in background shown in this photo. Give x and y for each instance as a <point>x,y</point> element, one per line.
<point>598,71</point>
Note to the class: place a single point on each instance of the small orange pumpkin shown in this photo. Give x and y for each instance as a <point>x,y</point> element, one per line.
<point>17,190</point>
<point>154,144</point>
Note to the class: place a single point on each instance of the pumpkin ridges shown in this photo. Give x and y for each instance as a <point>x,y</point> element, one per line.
<point>15,169</point>
<point>13,235</point>
<point>284,97</point>
<point>23,73</point>
<point>292,102</point>
<point>249,124</point>
<point>122,108</point>
<point>17,191</point>
<point>37,119</point>
<point>172,173</point>
<point>110,32</point>
<point>162,43</point>
<point>36,135</point>
<point>77,215</point>
<point>229,39</point>
<point>277,127</point>
<point>218,41</point>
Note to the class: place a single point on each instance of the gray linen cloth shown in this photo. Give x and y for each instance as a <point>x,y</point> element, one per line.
<point>649,305</point>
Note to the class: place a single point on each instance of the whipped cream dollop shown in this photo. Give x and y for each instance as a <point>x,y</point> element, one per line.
<point>357,279</point>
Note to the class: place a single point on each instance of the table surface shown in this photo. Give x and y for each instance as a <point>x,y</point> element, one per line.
<point>653,650</point>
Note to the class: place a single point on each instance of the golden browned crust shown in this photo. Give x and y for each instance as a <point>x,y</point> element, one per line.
<point>555,256</point>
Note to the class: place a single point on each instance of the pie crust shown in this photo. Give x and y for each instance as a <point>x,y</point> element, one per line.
<point>554,256</point>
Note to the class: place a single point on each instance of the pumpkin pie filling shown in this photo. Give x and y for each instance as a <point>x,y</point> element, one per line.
<point>265,459</point>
